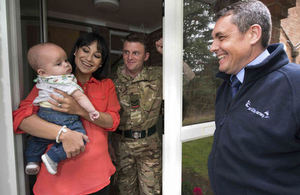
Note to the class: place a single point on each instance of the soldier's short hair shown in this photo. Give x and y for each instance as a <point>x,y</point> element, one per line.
<point>138,37</point>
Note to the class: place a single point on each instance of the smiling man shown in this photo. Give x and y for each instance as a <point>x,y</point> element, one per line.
<point>136,143</point>
<point>256,149</point>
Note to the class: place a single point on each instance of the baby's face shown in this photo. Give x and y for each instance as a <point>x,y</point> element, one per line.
<point>54,62</point>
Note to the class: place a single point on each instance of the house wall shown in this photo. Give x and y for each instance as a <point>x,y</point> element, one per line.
<point>290,33</point>
<point>278,10</point>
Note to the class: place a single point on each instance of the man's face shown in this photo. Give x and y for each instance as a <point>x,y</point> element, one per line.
<point>134,56</point>
<point>232,47</point>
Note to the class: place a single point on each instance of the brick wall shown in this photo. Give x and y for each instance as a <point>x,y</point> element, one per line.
<point>278,10</point>
<point>290,33</point>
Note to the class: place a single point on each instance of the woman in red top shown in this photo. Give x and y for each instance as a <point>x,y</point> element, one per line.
<point>88,167</point>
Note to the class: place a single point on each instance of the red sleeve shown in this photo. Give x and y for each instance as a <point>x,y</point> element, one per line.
<point>113,107</point>
<point>26,109</point>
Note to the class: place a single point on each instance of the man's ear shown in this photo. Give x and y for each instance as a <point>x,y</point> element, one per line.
<point>147,55</point>
<point>40,71</point>
<point>255,33</point>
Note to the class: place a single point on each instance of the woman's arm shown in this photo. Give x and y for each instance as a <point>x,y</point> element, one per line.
<point>26,120</point>
<point>68,104</point>
<point>108,120</point>
<point>38,127</point>
<point>111,116</point>
<point>104,120</point>
<point>72,140</point>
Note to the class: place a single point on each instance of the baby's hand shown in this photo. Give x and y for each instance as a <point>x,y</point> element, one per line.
<point>94,115</point>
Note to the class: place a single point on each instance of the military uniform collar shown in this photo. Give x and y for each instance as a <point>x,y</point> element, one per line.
<point>143,75</point>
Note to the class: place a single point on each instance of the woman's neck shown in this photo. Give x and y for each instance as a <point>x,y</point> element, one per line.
<point>83,78</point>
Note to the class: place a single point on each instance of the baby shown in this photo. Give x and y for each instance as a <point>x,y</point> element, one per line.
<point>54,72</point>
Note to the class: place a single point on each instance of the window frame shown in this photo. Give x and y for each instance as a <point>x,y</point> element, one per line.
<point>174,133</point>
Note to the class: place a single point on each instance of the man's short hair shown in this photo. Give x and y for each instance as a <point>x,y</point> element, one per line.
<point>138,37</point>
<point>246,13</point>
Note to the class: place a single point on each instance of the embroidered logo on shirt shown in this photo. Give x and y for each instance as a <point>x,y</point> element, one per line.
<point>265,114</point>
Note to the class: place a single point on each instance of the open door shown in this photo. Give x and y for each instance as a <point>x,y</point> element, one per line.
<point>189,125</point>
<point>61,22</point>
<point>180,125</point>
<point>189,106</point>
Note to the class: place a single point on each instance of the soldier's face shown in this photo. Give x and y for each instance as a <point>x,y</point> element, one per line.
<point>134,56</point>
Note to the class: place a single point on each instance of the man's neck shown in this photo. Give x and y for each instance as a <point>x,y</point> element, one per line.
<point>130,73</point>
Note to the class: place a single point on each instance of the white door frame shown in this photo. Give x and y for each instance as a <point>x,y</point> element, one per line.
<point>172,90</point>
<point>12,179</point>
<point>12,182</point>
<point>174,133</point>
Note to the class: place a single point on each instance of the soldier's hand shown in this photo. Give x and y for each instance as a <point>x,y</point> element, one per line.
<point>159,46</point>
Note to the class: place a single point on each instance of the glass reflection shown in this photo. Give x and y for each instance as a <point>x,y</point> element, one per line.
<point>198,93</point>
<point>194,167</point>
<point>30,27</point>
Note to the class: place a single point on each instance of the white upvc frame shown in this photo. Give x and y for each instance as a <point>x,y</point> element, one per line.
<point>12,179</point>
<point>174,133</point>
<point>172,90</point>
<point>198,131</point>
<point>11,60</point>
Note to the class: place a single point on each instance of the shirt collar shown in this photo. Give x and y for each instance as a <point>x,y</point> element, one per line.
<point>241,75</point>
<point>141,76</point>
<point>91,80</point>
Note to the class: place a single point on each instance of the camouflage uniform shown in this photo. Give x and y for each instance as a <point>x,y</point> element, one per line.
<point>138,161</point>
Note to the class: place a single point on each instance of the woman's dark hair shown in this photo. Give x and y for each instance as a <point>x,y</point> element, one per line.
<point>85,40</point>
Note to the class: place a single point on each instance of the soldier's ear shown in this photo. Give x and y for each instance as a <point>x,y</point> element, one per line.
<point>147,54</point>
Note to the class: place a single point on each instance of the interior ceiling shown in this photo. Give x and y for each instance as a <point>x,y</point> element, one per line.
<point>141,15</point>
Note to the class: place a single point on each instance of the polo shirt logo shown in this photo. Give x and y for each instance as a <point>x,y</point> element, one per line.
<point>265,115</point>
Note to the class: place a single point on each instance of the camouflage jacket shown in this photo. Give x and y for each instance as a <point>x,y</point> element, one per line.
<point>140,98</point>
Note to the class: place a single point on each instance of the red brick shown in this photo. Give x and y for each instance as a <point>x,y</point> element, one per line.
<point>290,30</point>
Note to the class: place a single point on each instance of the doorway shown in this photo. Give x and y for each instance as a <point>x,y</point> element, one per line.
<point>178,127</point>
<point>64,21</point>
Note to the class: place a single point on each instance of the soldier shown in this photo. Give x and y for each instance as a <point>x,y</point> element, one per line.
<point>136,143</point>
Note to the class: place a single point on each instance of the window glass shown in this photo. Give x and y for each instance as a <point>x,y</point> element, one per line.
<point>199,91</point>
<point>30,32</point>
<point>194,167</point>
<point>30,27</point>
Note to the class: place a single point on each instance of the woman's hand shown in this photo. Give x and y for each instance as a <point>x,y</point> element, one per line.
<point>73,142</point>
<point>66,104</point>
